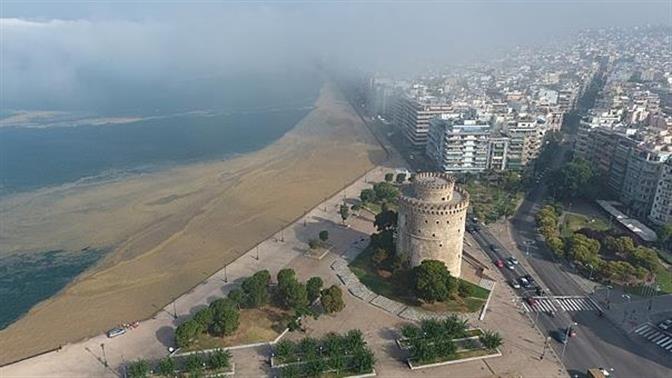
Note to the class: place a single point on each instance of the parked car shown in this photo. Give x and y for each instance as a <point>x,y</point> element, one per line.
<point>515,285</point>
<point>665,325</point>
<point>513,260</point>
<point>559,336</point>
<point>494,248</point>
<point>510,265</point>
<point>529,278</point>
<point>539,291</point>
<point>499,263</point>
<point>114,332</point>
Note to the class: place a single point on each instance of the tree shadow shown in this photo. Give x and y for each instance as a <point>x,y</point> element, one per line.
<point>166,336</point>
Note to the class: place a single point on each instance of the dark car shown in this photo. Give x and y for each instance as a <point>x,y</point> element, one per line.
<point>529,278</point>
<point>559,336</point>
<point>539,291</point>
<point>524,282</point>
<point>494,248</point>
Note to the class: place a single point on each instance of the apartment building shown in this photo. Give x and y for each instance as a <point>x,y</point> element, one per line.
<point>526,138</point>
<point>413,115</point>
<point>457,145</point>
<point>661,209</point>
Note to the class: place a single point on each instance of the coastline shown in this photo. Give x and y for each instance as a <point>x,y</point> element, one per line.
<point>172,229</point>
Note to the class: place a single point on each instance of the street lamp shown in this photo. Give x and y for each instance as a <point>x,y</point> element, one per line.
<point>102,346</point>
<point>564,346</point>
<point>226,277</point>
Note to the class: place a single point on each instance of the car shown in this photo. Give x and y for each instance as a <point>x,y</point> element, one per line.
<point>499,263</point>
<point>513,260</point>
<point>515,285</point>
<point>529,278</point>
<point>524,282</point>
<point>539,291</point>
<point>570,332</point>
<point>531,301</point>
<point>667,324</point>
<point>510,265</point>
<point>114,332</point>
<point>494,248</point>
<point>559,336</point>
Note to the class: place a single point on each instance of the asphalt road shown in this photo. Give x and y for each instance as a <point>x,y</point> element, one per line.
<point>598,343</point>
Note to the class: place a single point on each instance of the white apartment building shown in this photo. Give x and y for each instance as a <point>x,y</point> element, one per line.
<point>458,145</point>
<point>661,210</point>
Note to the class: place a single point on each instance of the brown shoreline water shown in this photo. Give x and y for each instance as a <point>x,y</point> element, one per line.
<point>173,229</point>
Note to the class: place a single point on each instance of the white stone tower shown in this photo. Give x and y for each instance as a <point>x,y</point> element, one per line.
<point>432,215</point>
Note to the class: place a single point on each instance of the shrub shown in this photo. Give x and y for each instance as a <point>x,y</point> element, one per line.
<point>363,361</point>
<point>379,256</point>
<point>236,296</point>
<point>410,331</point>
<point>389,177</point>
<point>194,363</point>
<point>219,359</point>
<point>314,244</point>
<point>290,371</point>
<point>332,299</point>
<point>324,235</point>
<point>367,195</point>
<point>401,177</point>
<point>138,369</point>
<point>285,350</point>
<point>166,367</point>
<point>490,340</point>
<point>465,289</point>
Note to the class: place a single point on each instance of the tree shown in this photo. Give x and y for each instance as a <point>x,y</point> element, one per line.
<point>236,296</point>
<point>367,195</point>
<point>256,289</point>
<point>204,317</point>
<point>490,340</point>
<point>345,212</point>
<point>286,276</point>
<point>556,245</point>
<point>314,244</point>
<point>573,180</point>
<point>385,192</point>
<point>313,287</point>
<point>665,235</point>
<point>186,332</point>
<point>166,367</point>
<point>389,177</point>
<point>363,361</point>
<point>386,220</point>
<point>431,281</point>
<point>138,369</point>
<point>219,359</point>
<point>324,235</point>
<point>291,293</point>
<point>401,177</point>
<point>226,319</point>
<point>332,299</point>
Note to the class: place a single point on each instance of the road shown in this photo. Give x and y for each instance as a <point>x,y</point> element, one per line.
<point>598,343</point>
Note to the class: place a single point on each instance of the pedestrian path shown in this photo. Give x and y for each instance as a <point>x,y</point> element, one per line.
<point>560,303</point>
<point>656,336</point>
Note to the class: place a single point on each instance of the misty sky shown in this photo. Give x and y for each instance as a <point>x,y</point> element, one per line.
<point>69,50</point>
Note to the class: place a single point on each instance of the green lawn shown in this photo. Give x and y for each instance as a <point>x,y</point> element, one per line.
<point>256,325</point>
<point>664,279</point>
<point>398,287</point>
<point>574,222</point>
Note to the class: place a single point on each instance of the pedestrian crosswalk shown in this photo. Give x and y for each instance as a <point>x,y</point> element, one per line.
<point>556,304</point>
<point>656,336</point>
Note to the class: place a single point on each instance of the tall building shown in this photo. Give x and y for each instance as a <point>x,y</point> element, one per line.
<point>661,210</point>
<point>525,141</point>
<point>432,216</point>
<point>498,148</point>
<point>457,145</point>
<point>413,116</point>
<point>641,179</point>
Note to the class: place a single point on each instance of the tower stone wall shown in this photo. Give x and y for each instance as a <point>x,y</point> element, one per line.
<point>432,215</point>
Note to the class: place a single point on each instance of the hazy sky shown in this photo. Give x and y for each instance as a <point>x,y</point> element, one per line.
<point>50,48</point>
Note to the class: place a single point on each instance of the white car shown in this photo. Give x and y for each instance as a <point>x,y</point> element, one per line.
<point>513,260</point>
<point>515,285</point>
<point>665,325</point>
<point>510,265</point>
